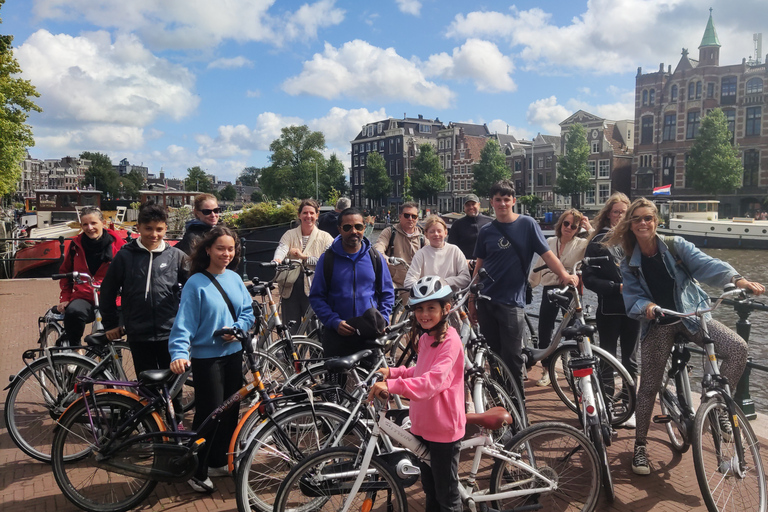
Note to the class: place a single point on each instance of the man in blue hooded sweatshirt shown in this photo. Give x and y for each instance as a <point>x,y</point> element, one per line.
<point>352,287</point>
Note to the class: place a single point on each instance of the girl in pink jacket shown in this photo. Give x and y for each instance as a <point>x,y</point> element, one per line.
<point>435,388</point>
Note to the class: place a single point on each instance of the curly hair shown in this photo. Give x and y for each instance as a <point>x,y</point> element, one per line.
<point>622,235</point>
<point>200,260</point>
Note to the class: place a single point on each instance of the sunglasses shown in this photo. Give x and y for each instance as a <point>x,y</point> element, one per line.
<point>645,218</point>
<point>570,225</point>
<point>357,227</point>
<point>208,211</point>
<point>413,216</point>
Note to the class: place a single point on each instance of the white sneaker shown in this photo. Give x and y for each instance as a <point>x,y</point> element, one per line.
<point>205,486</point>
<point>544,381</point>
<point>631,423</point>
<point>220,471</point>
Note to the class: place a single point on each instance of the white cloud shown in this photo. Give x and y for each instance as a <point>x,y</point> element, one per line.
<point>504,128</point>
<point>547,114</point>
<point>96,92</point>
<point>191,24</point>
<point>340,126</point>
<point>476,60</point>
<point>409,6</point>
<point>230,63</point>
<point>253,93</point>
<point>360,70</point>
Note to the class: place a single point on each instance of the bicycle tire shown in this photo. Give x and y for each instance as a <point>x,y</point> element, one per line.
<point>90,484</point>
<point>50,335</point>
<point>596,435</point>
<point>266,460</point>
<point>677,436</point>
<point>273,374</point>
<point>714,456</point>
<point>558,451</point>
<point>500,372</point>
<point>306,348</point>
<point>300,491</point>
<point>34,402</point>
<point>495,395</point>
<point>623,397</point>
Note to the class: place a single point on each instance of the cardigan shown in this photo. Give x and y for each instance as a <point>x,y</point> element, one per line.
<point>572,254</point>
<point>318,242</point>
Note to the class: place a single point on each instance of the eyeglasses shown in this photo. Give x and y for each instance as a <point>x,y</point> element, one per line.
<point>645,218</point>
<point>570,225</point>
<point>413,216</point>
<point>348,227</point>
<point>208,211</point>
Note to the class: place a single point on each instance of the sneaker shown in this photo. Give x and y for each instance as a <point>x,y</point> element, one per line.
<point>631,423</point>
<point>640,464</point>
<point>220,471</point>
<point>205,486</point>
<point>544,381</point>
<point>726,432</point>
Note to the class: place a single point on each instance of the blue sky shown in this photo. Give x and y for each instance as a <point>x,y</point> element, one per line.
<point>179,83</point>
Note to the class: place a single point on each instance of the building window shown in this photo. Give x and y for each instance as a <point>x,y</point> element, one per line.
<point>604,191</point>
<point>539,179</point>
<point>549,162</point>
<point>668,170</point>
<point>645,160</point>
<point>425,128</point>
<point>604,168</point>
<point>447,143</point>
<point>589,196</point>
<point>518,166</point>
<point>645,98</point>
<point>362,160</point>
<point>692,129</point>
<point>730,117</point>
<point>728,90</point>
<point>754,119</point>
<point>541,162</point>
<point>673,93</point>
<point>652,97</point>
<point>646,133</point>
<point>440,144</point>
<point>595,146</point>
<point>356,162</point>
<point>461,153</point>
<point>357,177</point>
<point>354,146</point>
<point>367,146</point>
<point>448,161</point>
<point>362,176</point>
<point>670,127</point>
<point>370,131</point>
<point>710,89</point>
<point>548,179</point>
<point>754,85</point>
<point>751,168</point>
<point>381,145</point>
<point>379,128</point>
<point>591,168</point>
<point>698,90</point>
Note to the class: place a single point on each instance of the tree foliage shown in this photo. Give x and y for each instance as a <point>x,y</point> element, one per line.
<point>491,168</point>
<point>228,193</point>
<point>294,158</point>
<point>407,195</point>
<point>15,105</point>
<point>573,177</point>
<point>531,202</point>
<point>377,185</point>
<point>428,177</point>
<point>101,175</point>
<point>714,166</point>
<point>249,176</point>
<point>333,178</point>
<point>268,213</point>
<point>198,180</point>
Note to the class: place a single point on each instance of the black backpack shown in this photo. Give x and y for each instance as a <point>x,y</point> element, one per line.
<point>391,243</point>
<point>330,258</point>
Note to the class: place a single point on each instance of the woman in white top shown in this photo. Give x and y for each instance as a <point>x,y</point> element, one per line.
<point>438,258</point>
<point>306,243</point>
<point>569,249</point>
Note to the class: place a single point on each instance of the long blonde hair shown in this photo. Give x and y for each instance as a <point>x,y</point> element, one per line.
<point>603,218</point>
<point>622,235</point>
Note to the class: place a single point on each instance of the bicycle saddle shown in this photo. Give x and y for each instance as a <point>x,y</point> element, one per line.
<point>155,377</point>
<point>340,364</point>
<point>97,339</point>
<point>582,330</point>
<point>492,419</point>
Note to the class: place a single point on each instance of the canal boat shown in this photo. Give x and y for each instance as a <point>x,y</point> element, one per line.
<point>699,223</point>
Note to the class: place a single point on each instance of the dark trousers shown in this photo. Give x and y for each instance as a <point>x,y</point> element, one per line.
<point>294,307</point>
<point>440,478</point>
<point>612,330</point>
<point>153,355</point>
<point>502,326</point>
<point>215,380</point>
<point>77,313</point>
<point>547,316</point>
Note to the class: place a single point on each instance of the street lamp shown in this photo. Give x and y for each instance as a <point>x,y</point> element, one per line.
<point>317,187</point>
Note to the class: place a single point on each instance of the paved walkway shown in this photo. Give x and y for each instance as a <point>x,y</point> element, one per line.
<point>29,485</point>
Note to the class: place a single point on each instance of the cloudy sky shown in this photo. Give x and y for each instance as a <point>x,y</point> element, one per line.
<point>179,83</point>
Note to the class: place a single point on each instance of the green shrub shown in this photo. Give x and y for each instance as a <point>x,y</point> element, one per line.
<point>267,213</point>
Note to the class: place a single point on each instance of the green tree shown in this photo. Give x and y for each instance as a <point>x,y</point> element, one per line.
<point>15,105</point>
<point>333,177</point>
<point>296,156</point>
<point>101,174</point>
<point>714,166</point>
<point>198,180</point>
<point>377,185</point>
<point>132,183</point>
<point>428,177</point>
<point>531,202</point>
<point>257,196</point>
<point>249,176</point>
<point>491,168</point>
<point>407,195</point>
<point>228,193</point>
<point>573,178</point>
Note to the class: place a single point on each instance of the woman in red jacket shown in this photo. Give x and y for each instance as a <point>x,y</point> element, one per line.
<point>91,252</point>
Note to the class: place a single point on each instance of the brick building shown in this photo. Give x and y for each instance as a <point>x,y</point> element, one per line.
<point>459,147</point>
<point>669,106</point>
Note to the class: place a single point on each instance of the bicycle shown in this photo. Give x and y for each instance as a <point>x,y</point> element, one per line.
<point>726,452</point>
<point>548,466</point>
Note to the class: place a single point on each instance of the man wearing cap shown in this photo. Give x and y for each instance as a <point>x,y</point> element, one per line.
<point>464,231</point>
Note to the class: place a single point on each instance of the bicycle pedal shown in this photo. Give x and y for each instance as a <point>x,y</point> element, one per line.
<point>662,419</point>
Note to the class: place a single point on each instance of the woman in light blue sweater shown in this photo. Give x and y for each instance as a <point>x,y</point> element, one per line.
<point>216,360</point>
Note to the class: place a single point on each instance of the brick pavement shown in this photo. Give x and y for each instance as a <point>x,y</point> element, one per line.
<point>29,485</point>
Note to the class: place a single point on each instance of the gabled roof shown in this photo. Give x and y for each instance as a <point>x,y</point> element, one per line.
<point>475,130</point>
<point>547,139</point>
<point>505,139</point>
<point>474,145</point>
<point>710,34</point>
<point>686,62</point>
<point>616,140</point>
<point>581,116</point>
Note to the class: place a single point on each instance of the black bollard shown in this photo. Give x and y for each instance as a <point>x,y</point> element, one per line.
<point>743,328</point>
<point>244,259</point>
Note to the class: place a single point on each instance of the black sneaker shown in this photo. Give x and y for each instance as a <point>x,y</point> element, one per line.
<point>726,432</point>
<point>640,464</point>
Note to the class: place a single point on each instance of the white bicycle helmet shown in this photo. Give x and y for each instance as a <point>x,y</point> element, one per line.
<point>430,288</point>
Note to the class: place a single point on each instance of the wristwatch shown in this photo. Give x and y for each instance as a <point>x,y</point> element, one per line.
<point>736,278</point>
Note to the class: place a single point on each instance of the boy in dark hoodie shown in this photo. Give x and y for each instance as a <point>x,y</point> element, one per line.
<point>146,273</point>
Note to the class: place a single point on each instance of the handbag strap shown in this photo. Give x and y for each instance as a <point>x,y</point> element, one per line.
<point>223,294</point>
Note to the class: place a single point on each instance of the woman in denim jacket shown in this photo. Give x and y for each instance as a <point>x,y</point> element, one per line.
<point>671,286</point>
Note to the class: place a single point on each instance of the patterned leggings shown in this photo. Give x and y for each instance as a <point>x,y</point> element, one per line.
<point>655,349</point>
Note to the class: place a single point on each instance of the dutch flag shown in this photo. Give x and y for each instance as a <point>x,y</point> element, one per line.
<point>666,190</point>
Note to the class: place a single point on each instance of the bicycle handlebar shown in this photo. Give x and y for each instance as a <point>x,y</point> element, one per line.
<point>730,290</point>
<point>80,277</point>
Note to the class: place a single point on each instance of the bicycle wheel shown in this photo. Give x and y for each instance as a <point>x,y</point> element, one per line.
<point>724,485</point>
<point>273,374</point>
<point>281,443</point>
<point>50,335</point>
<point>306,348</point>
<point>500,372</point>
<point>670,406</point>
<point>494,395</point>
<point>37,397</point>
<point>618,385</point>
<point>596,434</point>
<point>558,452</point>
<point>85,477</point>
<point>323,482</point>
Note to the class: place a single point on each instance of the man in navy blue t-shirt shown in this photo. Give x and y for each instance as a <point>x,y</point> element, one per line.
<point>507,260</point>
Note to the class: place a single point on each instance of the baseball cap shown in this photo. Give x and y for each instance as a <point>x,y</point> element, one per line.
<point>472,197</point>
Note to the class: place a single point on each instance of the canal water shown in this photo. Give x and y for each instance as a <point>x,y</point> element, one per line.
<point>753,265</point>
